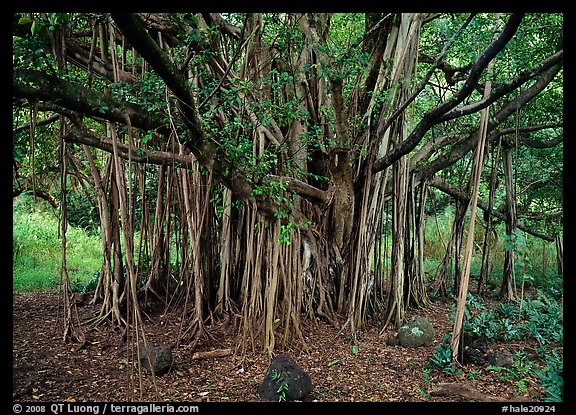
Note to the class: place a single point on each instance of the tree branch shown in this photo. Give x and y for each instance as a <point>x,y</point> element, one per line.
<point>36,85</point>
<point>136,155</point>
<point>432,116</point>
<point>135,32</point>
<point>45,121</point>
<point>456,193</point>
<point>464,146</point>
<point>301,188</point>
<point>139,155</point>
<point>38,193</point>
<point>504,89</point>
<point>226,27</point>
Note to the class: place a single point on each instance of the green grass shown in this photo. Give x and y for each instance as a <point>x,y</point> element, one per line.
<point>37,249</point>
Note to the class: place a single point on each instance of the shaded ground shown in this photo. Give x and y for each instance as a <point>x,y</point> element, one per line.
<point>47,369</point>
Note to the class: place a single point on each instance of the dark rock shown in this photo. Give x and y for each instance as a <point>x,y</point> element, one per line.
<point>285,375</point>
<point>503,358</point>
<point>418,331</point>
<point>474,356</point>
<point>476,349</point>
<point>157,359</point>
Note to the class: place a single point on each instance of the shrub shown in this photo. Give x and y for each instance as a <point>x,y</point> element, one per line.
<point>442,359</point>
<point>551,378</point>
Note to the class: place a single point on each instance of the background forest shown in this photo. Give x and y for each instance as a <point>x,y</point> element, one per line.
<point>264,170</point>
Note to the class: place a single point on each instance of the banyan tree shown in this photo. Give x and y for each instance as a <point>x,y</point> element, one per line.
<point>265,168</point>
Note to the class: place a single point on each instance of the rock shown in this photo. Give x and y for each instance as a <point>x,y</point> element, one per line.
<point>157,359</point>
<point>476,349</point>
<point>503,358</point>
<point>418,331</point>
<point>392,341</point>
<point>286,376</point>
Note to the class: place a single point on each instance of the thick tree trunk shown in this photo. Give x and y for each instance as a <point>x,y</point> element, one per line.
<point>259,265</point>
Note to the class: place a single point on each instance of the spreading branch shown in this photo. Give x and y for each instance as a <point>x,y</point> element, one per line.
<point>432,116</point>
<point>458,194</point>
<point>42,194</point>
<point>504,89</point>
<point>133,29</point>
<point>36,85</point>
<point>462,147</point>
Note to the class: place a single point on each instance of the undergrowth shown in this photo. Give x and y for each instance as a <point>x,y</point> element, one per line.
<point>37,249</point>
<point>536,321</point>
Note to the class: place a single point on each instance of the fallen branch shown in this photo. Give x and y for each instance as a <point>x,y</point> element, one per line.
<point>211,354</point>
<point>466,390</point>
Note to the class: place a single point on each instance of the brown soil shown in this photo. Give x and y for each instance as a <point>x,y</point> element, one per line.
<point>45,369</point>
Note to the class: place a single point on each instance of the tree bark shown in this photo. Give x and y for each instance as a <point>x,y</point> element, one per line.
<point>507,288</point>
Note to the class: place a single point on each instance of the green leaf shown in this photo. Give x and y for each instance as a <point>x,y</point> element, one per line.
<point>146,138</point>
<point>355,350</point>
<point>24,20</point>
<point>334,362</point>
<point>35,28</point>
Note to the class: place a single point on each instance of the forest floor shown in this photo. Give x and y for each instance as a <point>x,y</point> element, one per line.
<point>45,369</point>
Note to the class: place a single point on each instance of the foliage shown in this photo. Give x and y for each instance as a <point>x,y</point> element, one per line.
<point>535,319</point>
<point>442,359</point>
<point>543,318</point>
<point>82,212</point>
<point>483,324</point>
<point>37,250</point>
<point>552,378</point>
<point>278,377</point>
<point>539,319</point>
<point>519,374</point>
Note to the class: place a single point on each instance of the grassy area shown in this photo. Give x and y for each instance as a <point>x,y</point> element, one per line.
<point>37,249</point>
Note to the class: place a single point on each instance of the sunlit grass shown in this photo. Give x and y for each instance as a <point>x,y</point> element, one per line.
<point>37,249</point>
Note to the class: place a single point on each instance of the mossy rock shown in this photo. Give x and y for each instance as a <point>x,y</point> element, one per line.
<point>418,331</point>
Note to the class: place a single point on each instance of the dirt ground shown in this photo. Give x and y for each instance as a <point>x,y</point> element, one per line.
<point>45,369</point>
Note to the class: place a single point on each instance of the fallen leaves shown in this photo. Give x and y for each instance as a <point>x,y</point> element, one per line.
<point>46,370</point>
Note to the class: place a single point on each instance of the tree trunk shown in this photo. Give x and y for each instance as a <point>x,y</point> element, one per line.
<point>507,288</point>
<point>301,228</point>
<point>560,254</point>
<point>396,305</point>
<point>452,255</point>
<point>476,177</point>
<point>488,245</point>
<point>417,289</point>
